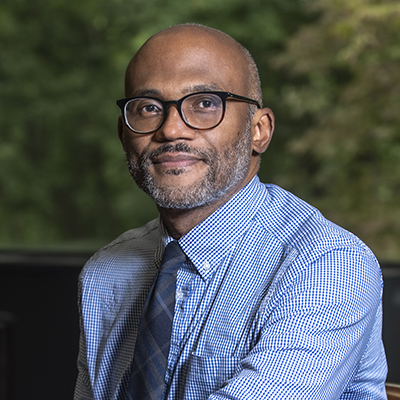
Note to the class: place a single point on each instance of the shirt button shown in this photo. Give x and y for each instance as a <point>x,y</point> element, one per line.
<point>206,265</point>
<point>179,294</point>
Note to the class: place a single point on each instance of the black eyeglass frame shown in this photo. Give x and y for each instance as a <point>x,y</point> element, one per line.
<point>178,103</point>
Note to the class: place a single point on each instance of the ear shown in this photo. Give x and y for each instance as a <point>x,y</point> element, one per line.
<point>262,128</point>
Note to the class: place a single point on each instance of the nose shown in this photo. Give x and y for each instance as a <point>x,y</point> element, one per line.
<point>174,127</point>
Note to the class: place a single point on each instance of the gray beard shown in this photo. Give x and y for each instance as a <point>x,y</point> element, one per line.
<point>224,171</point>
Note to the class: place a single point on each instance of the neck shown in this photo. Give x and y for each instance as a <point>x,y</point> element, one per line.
<point>180,222</point>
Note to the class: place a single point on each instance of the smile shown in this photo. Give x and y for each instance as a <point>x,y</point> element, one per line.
<point>175,160</point>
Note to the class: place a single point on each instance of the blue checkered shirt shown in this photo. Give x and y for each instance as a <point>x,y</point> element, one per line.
<point>274,302</point>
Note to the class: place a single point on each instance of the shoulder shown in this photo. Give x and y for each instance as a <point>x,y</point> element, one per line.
<point>298,224</point>
<point>134,249</point>
<point>313,241</point>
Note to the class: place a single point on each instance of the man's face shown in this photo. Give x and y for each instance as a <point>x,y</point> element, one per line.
<point>177,166</point>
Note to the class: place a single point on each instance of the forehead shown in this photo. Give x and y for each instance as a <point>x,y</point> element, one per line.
<point>181,60</point>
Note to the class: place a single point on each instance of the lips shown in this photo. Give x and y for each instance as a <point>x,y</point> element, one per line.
<point>175,160</point>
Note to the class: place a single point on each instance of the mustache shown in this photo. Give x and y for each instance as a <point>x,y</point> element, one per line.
<point>206,155</point>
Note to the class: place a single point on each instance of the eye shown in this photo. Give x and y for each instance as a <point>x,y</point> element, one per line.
<point>208,102</point>
<point>205,103</point>
<point>149,108</point>
<point>145,108</point>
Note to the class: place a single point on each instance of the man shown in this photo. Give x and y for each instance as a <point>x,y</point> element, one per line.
<point>271,300</point>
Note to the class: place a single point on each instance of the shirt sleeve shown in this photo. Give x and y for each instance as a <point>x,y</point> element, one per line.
<point>322,318</point>
<point>83,388</point>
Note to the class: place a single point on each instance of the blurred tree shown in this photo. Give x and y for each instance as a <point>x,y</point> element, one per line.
<point>344,91</point>
<point>62,171</point>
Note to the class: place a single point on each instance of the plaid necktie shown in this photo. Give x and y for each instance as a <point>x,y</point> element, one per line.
<point>154,334</point>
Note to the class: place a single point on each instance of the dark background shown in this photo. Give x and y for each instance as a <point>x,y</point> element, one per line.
<point>40,292</point>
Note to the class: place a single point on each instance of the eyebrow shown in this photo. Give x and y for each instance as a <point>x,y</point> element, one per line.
<point>211,87</point>
<point>148,92</point>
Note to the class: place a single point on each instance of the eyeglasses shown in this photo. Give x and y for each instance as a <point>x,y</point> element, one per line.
<point>201,110</point>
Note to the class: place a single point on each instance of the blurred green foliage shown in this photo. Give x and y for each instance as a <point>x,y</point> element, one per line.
<point>346,84</point>
<point>330,71</point>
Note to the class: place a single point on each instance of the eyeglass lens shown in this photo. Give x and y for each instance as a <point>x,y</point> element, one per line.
<point>200,111</point>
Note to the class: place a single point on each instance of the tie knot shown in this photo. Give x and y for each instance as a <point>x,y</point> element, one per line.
<point>172,259</point>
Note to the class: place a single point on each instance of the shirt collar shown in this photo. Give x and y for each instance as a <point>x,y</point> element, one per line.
<point>165,238</point>
<point>208,243</point>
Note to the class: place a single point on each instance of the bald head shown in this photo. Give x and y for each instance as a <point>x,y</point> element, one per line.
<point>187,41</point>
<point>199,154</point>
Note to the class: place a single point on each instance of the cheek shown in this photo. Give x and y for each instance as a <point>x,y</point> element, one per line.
<point>226,141</point>
<point>233,127</point>
<point>136,146</point>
